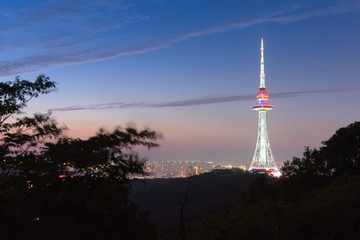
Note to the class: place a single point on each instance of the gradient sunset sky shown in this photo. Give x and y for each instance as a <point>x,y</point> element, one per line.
<point>190,69</point>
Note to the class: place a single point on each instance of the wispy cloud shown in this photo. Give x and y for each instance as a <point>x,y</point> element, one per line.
<point>193,102</point>
<point>317,64</point>
<point>80,31</point>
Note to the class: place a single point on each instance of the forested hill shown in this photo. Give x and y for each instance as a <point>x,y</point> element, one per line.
<point>208,192</point>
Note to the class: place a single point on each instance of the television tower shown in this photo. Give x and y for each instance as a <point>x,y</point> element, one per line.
<point>263,160</point>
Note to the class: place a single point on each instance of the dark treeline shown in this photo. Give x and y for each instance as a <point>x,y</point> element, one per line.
<point>56,187</point>
<point>317,197</point>
<point>216,191</point>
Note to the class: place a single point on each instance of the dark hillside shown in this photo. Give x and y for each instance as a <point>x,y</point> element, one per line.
<point>212,191</point>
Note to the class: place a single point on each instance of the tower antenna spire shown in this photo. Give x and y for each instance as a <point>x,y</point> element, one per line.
<point>263,160</point>
<point>262,71</point>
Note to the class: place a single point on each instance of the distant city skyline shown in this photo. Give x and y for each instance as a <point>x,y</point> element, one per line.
<point>190,69</point>
<point>180,169</point>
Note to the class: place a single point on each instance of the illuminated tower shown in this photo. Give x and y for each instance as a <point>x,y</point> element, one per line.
<point>263,160</point>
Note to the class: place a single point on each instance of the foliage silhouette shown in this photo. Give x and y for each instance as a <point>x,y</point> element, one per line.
<point>338,155</point>
<point>342,151</point>
<point>55,187</point>
<point>15,95</point>
<point>316,198</point>
<point>104,155</point>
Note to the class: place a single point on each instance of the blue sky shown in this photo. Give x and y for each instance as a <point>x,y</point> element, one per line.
<point>190,69</point>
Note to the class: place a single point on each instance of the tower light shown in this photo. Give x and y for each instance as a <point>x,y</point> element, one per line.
<point>263,160</point>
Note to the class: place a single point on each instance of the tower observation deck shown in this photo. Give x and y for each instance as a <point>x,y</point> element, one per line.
<point>263,160</point>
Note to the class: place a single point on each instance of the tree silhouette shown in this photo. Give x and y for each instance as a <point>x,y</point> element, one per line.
<point>316,198</point>
<point>342,151</point>
<point>15,95</point>
<point>107,154</point>
<point>22,137</point>
<point>338,155</point>
<point>55,187</point>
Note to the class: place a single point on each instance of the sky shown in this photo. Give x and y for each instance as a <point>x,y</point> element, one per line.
<point>190,69</point>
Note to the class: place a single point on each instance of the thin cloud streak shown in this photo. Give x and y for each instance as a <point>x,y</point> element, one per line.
<point>317,64</point>
<point>61,56</point>
<point>193,102</point>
